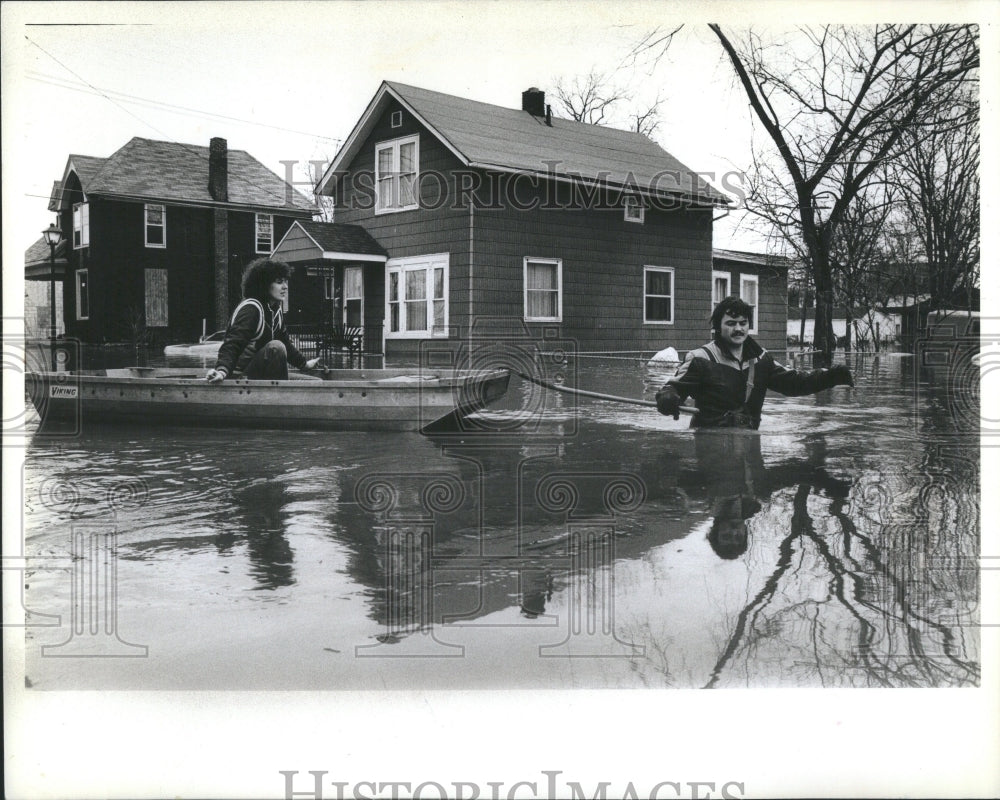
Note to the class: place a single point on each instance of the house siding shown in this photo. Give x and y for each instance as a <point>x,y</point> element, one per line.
<point>438,225</point>
<point>487,237</point>
<point>117,260</point>
<point>603,259</point>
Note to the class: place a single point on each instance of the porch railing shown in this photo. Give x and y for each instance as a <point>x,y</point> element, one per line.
<point>338,345</point>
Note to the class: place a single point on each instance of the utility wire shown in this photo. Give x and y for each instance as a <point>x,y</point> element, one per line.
<point>104,94</point>
<point>149,103</point>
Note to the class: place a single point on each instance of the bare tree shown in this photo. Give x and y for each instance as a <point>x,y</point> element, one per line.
<point>837,103</point>
<point>939,182</point>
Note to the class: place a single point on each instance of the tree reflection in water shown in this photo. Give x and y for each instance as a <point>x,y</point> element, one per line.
<point>851,598</point>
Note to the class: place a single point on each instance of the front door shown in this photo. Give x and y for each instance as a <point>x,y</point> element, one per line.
<point>354,298</point>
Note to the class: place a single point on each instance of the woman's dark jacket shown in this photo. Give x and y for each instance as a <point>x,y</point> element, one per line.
<point>253,325</point>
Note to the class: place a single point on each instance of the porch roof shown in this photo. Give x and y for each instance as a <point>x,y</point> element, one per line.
<point>38,261</point>
<point>311,242</point>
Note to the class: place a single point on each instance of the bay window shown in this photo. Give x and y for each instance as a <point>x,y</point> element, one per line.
<point>417,296</point>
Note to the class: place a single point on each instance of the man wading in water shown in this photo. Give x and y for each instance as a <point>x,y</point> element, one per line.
<point>729,376</point>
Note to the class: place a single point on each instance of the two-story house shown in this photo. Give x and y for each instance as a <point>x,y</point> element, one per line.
<point>563,229</point>
<point>157,236</point>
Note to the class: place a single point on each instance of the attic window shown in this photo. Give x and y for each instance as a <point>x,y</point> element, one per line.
<point>396,120</point>
<point>397,164</point>
<point>634,210</point>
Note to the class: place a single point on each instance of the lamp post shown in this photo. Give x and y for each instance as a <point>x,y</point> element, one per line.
<point>52,236</point>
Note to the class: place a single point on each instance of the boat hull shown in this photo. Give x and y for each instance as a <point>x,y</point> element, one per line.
<point>388,399</point>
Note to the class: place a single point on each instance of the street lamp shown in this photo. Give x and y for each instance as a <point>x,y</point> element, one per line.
<point>52,236</point>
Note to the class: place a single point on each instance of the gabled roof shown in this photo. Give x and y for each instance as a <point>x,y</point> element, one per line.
<point>332,241</point>
<point>338,237</point>
<point>146,169</point>
<point>492,137</point>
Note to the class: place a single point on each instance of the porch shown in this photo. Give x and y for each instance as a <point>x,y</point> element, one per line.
<point>336,291</point>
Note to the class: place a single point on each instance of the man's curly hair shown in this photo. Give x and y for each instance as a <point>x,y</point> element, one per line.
<point>734,307</point>
<point>260,274</point>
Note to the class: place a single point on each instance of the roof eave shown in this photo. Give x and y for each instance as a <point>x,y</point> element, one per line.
<point>304,213</point>
<point>721,201</point>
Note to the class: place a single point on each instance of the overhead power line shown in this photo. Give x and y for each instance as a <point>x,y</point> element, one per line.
<point>110,94</point>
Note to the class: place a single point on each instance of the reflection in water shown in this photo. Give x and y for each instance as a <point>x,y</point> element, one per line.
<point>838,547</point>
<point>259,512</point>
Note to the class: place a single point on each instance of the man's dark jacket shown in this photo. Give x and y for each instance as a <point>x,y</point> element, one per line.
<point>730,393</point>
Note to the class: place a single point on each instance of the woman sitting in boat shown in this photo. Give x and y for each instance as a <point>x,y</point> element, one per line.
<point>256,343</point>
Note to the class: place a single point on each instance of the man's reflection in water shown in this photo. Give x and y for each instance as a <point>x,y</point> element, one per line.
<point>536,590</point>
<point>260,513</point>
<point>733,475</point>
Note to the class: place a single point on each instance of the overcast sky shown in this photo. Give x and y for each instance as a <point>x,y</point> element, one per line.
<point>288,81</point>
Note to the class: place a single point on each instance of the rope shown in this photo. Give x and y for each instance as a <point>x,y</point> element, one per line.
<point>595,395</point>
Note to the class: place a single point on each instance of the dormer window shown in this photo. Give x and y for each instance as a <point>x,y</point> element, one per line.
<point>264,227</point>
<point>81,225</point>
<point>634,210</point>
<point>397,164</point>
<point>156,226</point>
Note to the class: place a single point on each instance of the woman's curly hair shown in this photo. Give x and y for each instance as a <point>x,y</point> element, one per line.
<point>260,274</point>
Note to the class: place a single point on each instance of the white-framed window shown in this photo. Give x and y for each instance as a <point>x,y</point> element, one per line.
<point>156,298</point>
<point>416,297</point>
<point>397,164</point>
<point>81,225</point>
<point>658,295</point>
<point>720,286</point>
<point>748,294</point>
<point>264,233</point>
<point>354,296</point>
<point>82,295</point>
<point>542,289</point>
<point>396,119</point>
<point>156,225</point>
<point>635,211</point>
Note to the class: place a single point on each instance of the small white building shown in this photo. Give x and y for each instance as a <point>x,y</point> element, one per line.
<point>884,327</point>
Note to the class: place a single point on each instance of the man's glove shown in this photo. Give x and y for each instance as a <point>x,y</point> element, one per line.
<point>668,402</point>
<point>840,375</point>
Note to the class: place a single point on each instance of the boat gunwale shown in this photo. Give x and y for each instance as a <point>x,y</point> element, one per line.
<point>454,378</point>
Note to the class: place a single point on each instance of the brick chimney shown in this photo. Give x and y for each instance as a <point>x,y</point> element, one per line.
<point>533,101</point>
<point>218,170</point>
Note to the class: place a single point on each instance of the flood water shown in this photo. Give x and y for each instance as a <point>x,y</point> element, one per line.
<point>601,545</point>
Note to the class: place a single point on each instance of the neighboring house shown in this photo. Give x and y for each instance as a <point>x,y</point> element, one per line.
<point>512,217</point>
<point>38,285</point>
<point>762,281</point>
<point>879,325</point>
<point>157,236</point>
